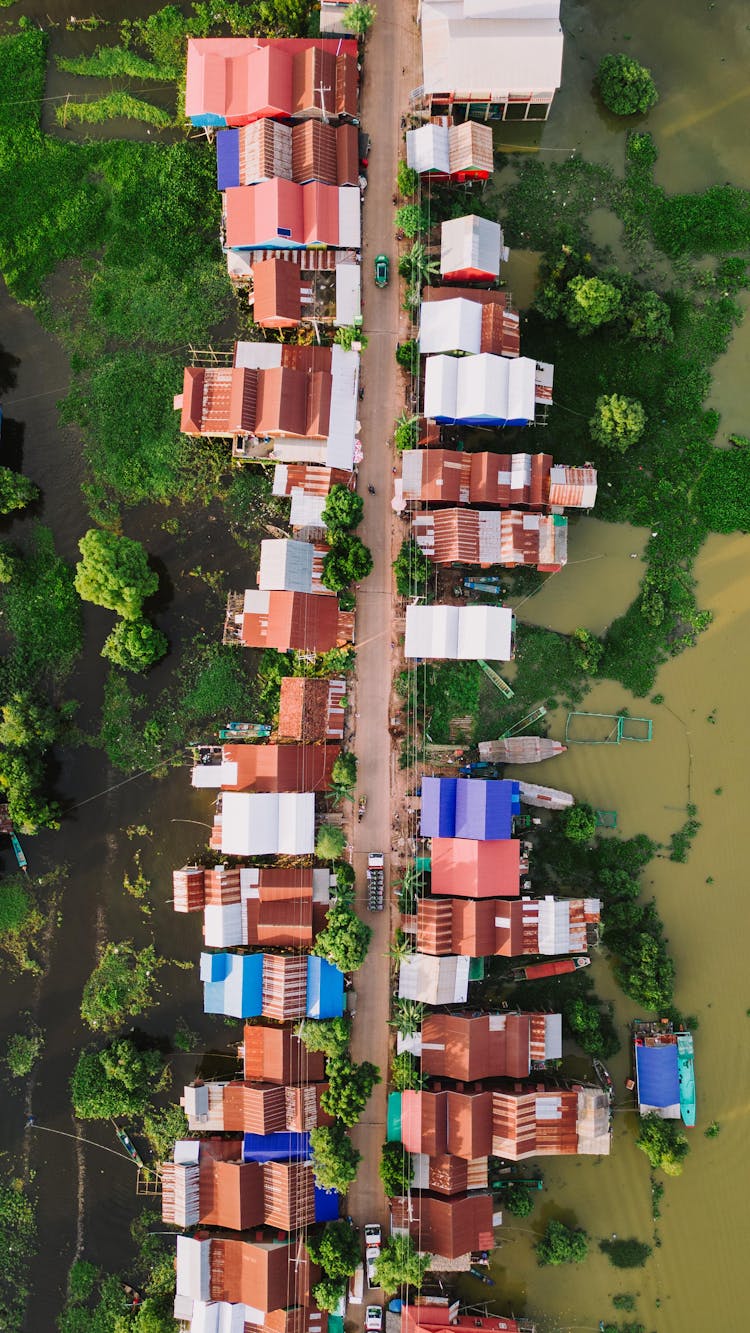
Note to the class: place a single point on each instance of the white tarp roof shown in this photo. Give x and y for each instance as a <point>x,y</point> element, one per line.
<point>257,356</point>
<point>350,234</point>
<point>512,9</point>
<point>306,510</point>
<point>440,385</point>
<point>267,823</point>
<point>434,980</point>
<point>207,776</point>
<point>496,388</point>
<point>285,565</point>
<point>553,928</point>
<point>193,1268</point>
<point>224,925</point>
<point>411,473</point>
<point>342,419</point>
<point>463,633</point>
<point>471,242</point>
<point>450,326</point>
<point>348,294</point>
<point>553,1036</point>
<point>428,149</point>
<point>465,49</point>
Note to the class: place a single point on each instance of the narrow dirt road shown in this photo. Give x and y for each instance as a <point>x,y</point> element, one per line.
<point>391,71</point>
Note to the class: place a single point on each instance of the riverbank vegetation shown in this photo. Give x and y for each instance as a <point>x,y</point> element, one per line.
<point>99,1302</point>
<point>18,1243</point>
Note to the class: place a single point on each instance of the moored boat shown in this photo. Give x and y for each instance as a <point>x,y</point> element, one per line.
<point>605,1078</point>
<point>521,749</point>
<point>545,798</point>
<point>686,1070</point>
<point>557,968</point>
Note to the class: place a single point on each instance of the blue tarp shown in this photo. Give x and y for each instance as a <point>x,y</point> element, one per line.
<point>325,989</point>
<point>438,807</point>
<point>227,159</point>
<point>205,118</point>
<point>658,1076</point>
<point>480,421</point>
<point>326,1205</point>
<point>286,1146</point>
<point>485,808</point>
<point>232,984</point>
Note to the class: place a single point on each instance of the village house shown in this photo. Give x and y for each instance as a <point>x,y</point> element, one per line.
<point>434,980</point>
<point>279,214</point>
<point>280,986</point>
<point>476,1046</point>
<point>447,1228</point>
<point>311,709</point>
<point>303,622</point>
<point>264,824</point>
<point>227,1283</point>
<point>471,249</point>
<point>287,288</point>
<point>307,151</point>
<point>237,80</point>
<point>238,1107</point>
<point>434,1315</point>
<point>486,390</point>
<point>220,1183</point>
<point>509,481</point>
<point>255,907</point>
<point>267,768</point>
<point>460,633</point>
<point>467,321</point>
<point>447,152</point>
<point>508,537</point>
<point>489,59</point>
<point>507,928</point>
<point>468,807</point>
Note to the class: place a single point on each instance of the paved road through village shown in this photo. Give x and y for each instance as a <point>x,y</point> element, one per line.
<point>389,74</point>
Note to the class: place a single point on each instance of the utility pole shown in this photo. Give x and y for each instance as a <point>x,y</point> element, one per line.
<point>323,90</point>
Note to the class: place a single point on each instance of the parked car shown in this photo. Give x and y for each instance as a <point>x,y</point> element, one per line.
<point>381,270</point>
<point>373,1319</point>
<point>373,1235</point>
<point>372,1254</point>
<point>364,149</point>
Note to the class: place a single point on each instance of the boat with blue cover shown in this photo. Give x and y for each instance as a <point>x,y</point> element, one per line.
<point>687,1077</point>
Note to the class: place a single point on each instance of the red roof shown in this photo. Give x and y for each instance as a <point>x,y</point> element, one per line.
<point>448,1227</point>
<point>218,400</point>
<point>468,1047</point>
<point>265,1276</point>
<point>469,868</point>
<point>277,287</point>
<point>425,1318</point>
<point>264,768</point>
<point>236,80</point>
<point>297,620</point>
<point>275,1055</point>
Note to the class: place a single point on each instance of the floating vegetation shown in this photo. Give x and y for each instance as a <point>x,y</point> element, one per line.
<point>114,106</point>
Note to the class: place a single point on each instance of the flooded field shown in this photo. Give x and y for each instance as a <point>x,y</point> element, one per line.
<point>698,1276</point>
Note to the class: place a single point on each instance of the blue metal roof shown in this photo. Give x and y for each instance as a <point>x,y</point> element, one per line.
<point>228,159</point>
<point>284,1146</point>
<point>326,1205</point>
<point>232,984</point>
<point>485,808</point>
<point>658,1076</point>
<point>438,807</point>
<point>325,989</point>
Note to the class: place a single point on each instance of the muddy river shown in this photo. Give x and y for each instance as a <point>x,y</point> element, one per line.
<point>698,1276</point>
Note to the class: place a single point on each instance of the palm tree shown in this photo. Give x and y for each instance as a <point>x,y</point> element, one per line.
<point>407,1016</point>
<point>418,266</point>
<point>402,947</point>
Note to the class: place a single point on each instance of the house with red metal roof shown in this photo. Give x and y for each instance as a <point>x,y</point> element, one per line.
<point>311,709</point>
<point>212,1182</point>
<point>282,907</point>
<point>476,1046</point>
<point>264,768</point>
<point>447,1228</point>
<point>300,621</point>
<point>451,152</point>
<point>276,1055</point>
<point>307,151</point>
<point>279,214</point>
<point>508,928</point>
<point>237,1107</point>
<point>477,868</point>
<point>508,481</point>
<point>237,80</point>
<point>264,1284</point>
<point>433,1316</point>
<point>507,537</point>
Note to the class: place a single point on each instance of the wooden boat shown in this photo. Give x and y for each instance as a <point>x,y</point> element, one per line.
<point>482,1277</point>
<point>687,1077</point>
<point>128,1145</point>
<point>545,798</point>
<point>238,731</point>
<point>605,1078</point>
<point>521,750</point>
<point>558,967</point>
<point>18,849</point>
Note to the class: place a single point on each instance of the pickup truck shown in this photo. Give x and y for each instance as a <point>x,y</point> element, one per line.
<point>375,895</point>
<point>373,1239</point>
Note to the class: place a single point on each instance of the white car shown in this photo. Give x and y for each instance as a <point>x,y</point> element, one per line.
<point>372,1254</point>
<point>373,1319</point>
<point>373,1235</point>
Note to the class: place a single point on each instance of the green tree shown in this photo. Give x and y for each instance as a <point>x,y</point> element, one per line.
<point>646,972</point>
<point>408,1016</point>
<point>10,562</point>
<point>343,508</point>
<point>405,1072</point>
<point>664,1143</point>
<point>400,1264</point>
<point>591,302</point>
<point>163,1126</point>
<point>396,1169</point>
<point>617,422</point>
<point>518,1200</point>
<point>115,1081</point>
<point>122,985</point>
<point>344,770</point>
<point>348,561</point>
<point>334,1158</point>
<point>135,645</point>
<point>345,940</point>
<point>114,572</point>
<point>411,219</point>
<point>406,432</point>
<point>626,1253</point>
<point>23,1050</point>
<point>407,180</point>
<point>418,267</point>
<point>411,568</point>
<point>348,337</point>
<point>561,1245</point>
<point>22,774</point>
<point>407,356</point>
<point>579,823</point>
<point>335,1248</point>
<point>349,1088</point>
<point>25,722</point>
<point>626,87</point>
<point>329,1035</point>
<point>650,320</point>
<point>359,17</point>
<point>330,842</point>
<point>329,1292</point>
<point>16,491</point>
<point>587,651</point>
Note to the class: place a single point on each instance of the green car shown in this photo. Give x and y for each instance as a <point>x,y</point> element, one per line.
<point>381,270</point>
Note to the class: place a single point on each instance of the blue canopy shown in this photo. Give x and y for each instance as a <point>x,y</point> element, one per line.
<point>658,1076</point>
<point>285,1146</point>
<point>326,1205</point>
<point>438,807</point>
<point>325,989</point>
<point>228,159</point>
<point>485,808</point>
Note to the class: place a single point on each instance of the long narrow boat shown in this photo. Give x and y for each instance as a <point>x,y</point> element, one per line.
<point>686,1070</point>
<point>18,849</point>
<point>128,1145</point>
<point>605,1078</point>
<point>545,798</point>
<point>557,968</point>
<point>521,749</point>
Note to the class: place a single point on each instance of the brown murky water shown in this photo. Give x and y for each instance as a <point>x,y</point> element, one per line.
<point>698,1277</point>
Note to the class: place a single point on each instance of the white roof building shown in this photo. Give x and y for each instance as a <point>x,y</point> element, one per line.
<point>483,390</point>
<point>427,149</point>
<point>450,326</point>
<point>348,295</point>
<point>434,980</point>
<point>267,823</point>
<point>285,565</point>
<point>459,633</point>
<point>491,50</point>
<point>471,247</point>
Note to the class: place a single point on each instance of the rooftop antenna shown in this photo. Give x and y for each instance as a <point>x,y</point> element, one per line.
<point>323,90</point>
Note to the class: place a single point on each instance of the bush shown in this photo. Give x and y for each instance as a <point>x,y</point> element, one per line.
<point>579,823</point>
<point>122,985</point>
<point>626,88</point>
<point>343,509</point>
<point>344,770</point>
<point>330,842</point>
<point>135,645</point>
<point>411,568</point>
<point>115,106</point>
<point>163,1127</point>
<point>336,1249</point>
<point>587,651</point>
<point>329,1035</point>
<point>23,1050</point>
<point>625,1253</point>
<point>114,572</point>
<point>334,1158</point>
<point>359,17</point>
<point>406,432</point>
<point>396,1169</point>
<point>650,320</point>
<point>407,180</point>
<point>618,422</point>
<point>16,491</point>
<point>664,1144</point>
<point>42,613</point>
<point>562,1245</point>
<point>345,940</point>
<point>400,1265</point>
<point>349,1088</point>
<point>405,1072</point>
<point>116,1081</point>
<point>518,1200</point>
<point>590,302</point>
<point>82,1279</point>
<point>18,1242</point>
<point>411,220</point>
